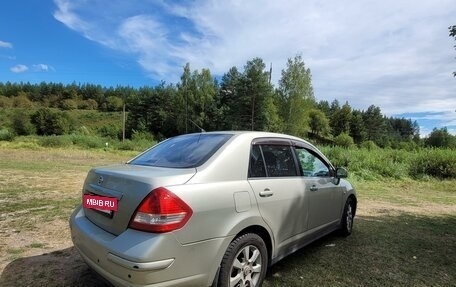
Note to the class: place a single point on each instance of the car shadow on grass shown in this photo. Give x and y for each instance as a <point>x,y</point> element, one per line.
<point>58,268</point>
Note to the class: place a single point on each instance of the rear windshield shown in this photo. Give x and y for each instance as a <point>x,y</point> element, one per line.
<point>183,151</point>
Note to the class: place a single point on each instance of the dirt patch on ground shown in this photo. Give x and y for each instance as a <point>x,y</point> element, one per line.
<point>379,208</point>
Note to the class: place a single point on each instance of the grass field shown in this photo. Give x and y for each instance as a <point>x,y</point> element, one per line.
<point>404,235</point>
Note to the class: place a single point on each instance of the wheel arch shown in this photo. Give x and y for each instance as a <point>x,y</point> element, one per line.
<point>258,230</point>
<point>264,234</point>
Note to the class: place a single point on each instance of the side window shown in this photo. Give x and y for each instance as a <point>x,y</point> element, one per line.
<point>279,160</point>
<point>311,165</point>
<point>256,165</point>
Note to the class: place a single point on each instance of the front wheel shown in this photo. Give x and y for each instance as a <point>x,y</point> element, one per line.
<point>347,218</point>
<point>245,262</point>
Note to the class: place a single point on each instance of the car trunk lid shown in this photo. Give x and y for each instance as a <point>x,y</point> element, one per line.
<point>128,185</point>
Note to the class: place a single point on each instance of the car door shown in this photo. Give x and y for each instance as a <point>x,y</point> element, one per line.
<point>324,195</point>
<point>279,190</point>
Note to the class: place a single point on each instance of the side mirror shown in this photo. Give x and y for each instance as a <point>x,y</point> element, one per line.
<point>341,172</point>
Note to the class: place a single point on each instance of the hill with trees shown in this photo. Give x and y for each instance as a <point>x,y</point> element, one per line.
<point>240,100</point>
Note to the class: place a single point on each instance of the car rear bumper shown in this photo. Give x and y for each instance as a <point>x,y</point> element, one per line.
<point>136,258</point>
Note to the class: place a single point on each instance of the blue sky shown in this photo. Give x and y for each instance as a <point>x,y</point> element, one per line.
<point>392,54</point>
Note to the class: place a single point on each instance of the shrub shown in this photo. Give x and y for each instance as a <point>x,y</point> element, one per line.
<point>369,145</point>
<point>113,131</point>
<point>387,163</point>
<point>22,101</point>
<point>22,125</point>
<point>114,104</point>
<point>126,145</point>
<point>338,156</point>
<point>83,130</point>
<point>5,102</point>
<point>69,104</point>
<point>344,140</point>
<point>441,138</point>
<point>370,164</point>
<point>89,104</point>
<point>87,141</point>
<point>409,146</point>
<point>49,122</point>
<point>6,135</point>
<point>437,163</point>
<point>139,135</point>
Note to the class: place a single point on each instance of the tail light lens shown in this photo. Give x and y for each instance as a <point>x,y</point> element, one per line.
<point>161,211</point>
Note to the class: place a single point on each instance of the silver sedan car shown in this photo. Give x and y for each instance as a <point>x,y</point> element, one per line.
<point>209,209</point>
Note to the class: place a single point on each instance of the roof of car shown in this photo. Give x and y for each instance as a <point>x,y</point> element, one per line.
<point>254,134</point>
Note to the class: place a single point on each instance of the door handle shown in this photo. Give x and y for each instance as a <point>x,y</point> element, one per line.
<point>266,193</point>
<point>313,188</point>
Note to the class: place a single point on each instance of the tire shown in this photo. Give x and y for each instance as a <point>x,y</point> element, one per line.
<point>346,223</point>
<point>245,262</point>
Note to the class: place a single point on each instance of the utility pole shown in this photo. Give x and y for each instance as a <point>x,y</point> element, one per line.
<point>123,123</point>
<point>270,73</point>
<point>186,110</point>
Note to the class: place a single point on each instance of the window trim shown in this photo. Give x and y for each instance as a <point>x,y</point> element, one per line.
<point>293,144</point>
<point>284,142</point>
<point>271,141</point>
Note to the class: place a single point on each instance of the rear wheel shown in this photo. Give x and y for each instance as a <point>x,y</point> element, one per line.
<point>347,217</point>
<point>244,263</point>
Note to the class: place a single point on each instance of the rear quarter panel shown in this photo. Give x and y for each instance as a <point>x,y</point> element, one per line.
<point>214,210</point>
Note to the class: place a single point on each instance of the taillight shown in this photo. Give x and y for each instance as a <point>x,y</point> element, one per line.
<point>161,211</point>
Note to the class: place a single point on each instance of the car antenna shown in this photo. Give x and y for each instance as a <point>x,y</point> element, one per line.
<point>201,129</point>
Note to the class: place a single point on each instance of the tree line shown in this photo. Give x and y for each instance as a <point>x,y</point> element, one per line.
<point>239,100</point>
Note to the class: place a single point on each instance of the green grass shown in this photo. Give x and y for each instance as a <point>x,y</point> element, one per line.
<point>409,192</point>
<point>379,164</point>
<point>37,245</point>
<point>401,250</point>
<point>404,234</point>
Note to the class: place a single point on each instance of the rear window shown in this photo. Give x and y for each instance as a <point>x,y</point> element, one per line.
<point>183,151</point>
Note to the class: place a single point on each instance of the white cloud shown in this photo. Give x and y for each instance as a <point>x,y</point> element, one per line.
<point>36,68</point>
<point>393,54</point>
<point>146,37</point>
<point>42,68</point>
<point>65,15</point>
<point>5,45</point>
<point>19,69</point>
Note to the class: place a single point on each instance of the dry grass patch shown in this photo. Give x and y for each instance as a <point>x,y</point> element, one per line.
<point>38,191</point>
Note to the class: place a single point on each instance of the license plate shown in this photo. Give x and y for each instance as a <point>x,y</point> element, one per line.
<point>101,203</point>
